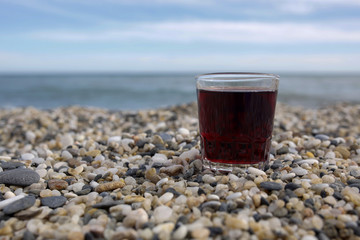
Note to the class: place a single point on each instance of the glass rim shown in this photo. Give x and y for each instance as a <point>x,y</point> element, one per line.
<point>246,76</point>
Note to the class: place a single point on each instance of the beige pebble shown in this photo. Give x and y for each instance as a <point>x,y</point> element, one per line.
<point>110,186</point>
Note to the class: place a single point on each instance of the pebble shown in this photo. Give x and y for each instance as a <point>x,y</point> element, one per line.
<point>11,165</point>
<point>166,197</point>
<point>57,184</point>
<point>255,171</point>
<point>172,170</point>
<point>19,177</point>
<point>18,205</point>
<point>162,214</point>
<point>27,156</point>
<point>151,175</point>
<point>136,218</point>
<point>110,186</point>
<point>299,171</point>
<point>54,201</point>
<point>271,186</point>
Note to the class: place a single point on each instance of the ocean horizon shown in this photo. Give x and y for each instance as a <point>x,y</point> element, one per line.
<point>150,90</point>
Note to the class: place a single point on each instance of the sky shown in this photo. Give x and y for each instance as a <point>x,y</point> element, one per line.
<point>179,35</point>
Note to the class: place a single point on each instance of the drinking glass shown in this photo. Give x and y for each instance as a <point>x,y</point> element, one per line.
<point>236,114</point>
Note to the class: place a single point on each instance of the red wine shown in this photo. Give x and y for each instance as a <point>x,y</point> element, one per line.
<point>236,124</point>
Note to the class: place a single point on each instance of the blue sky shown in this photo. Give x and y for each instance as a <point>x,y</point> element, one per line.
<point>179,35</point>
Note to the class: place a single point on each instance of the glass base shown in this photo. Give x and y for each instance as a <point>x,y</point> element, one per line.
<point>227,168</point>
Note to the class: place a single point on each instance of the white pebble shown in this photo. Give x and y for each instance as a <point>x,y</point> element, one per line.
<point>66,155</point>
<point>189,155</point>
<point>208,179</point>
<point>255,171</point>
<point>299,171</point>
<point>38,161</point>
<point>161,182</point>
<point>288,176</point>
<point>66,140</point>
<point>9,194</point>
<point>184,132</point>
<point>309,161</point>
<point>330,155</point>
<point>27,156</point>
<point>166,197</point>
<point>116,139</point>
<point>130,181</point>
<point>94,184</point>
<point>76,187</point>
<point>42,172</point>
<point>234,196</point>
<point>125,144</point>
<point>99,158</point>
<point>30,136</point>
<point>159,158</point>
<point>162,214</point>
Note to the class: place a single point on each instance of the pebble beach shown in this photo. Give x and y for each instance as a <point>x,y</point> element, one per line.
<point>88,173</point>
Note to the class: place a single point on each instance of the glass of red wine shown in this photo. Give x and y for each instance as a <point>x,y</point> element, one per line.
<point>236,115</point>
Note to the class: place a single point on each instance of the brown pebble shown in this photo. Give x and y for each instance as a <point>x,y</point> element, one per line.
<point>75,236</point>
<point>110,186</point>
<point>151,175</point>
<point>133,199</point>
<point>73,162</point>
<point>343,151</point>
<point>57,184</point>
<point>172,170</point>
<point>93,153</point>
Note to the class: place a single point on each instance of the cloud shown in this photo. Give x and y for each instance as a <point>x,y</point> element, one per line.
<point>211,31</point>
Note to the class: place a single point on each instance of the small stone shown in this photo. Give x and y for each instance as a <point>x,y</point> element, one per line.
<point>151,175</point>
<point>299,171</point>
<point>129,199</point>
<point>57,184</point>
<point>42,172</point>
<point>355,173</point>
<point>271,186</point>
<point>11,165</point>
<point>190,155</point>
<point>208,179</point>
<point>66,155</point>
<point>292,186</point>
<point>255,171</point>
<point>343,151</point>
<point>172,170</point>
<point>200,233</point>
<point>236,223</point>
<point>233,196</point>
<point>166,197</point>
<point>288,176</point>
<point>9,194</point>
<point>19,177</point>
<point>54,201</point>
<point>66,140</point>
<point>104,187</point>
<point>19,205</point>
<point>211,205</point>
<point>180,233</point>
<point>308,161</point>
<point>27,156</point>
<point>136,218</point>
<point>162,214</point>
<point>93,153</point>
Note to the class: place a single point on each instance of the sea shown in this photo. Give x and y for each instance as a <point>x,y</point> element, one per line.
<point>136,91</point>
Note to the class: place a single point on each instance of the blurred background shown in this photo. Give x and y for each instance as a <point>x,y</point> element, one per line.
<point>140,54</point>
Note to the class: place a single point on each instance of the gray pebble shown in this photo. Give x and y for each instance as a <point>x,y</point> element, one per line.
<point>322,137</point>
<point>19,177</point>
<point>11,165</point>
<point>54,201</point>
<point>271,186</point>
<point>19,205</point>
